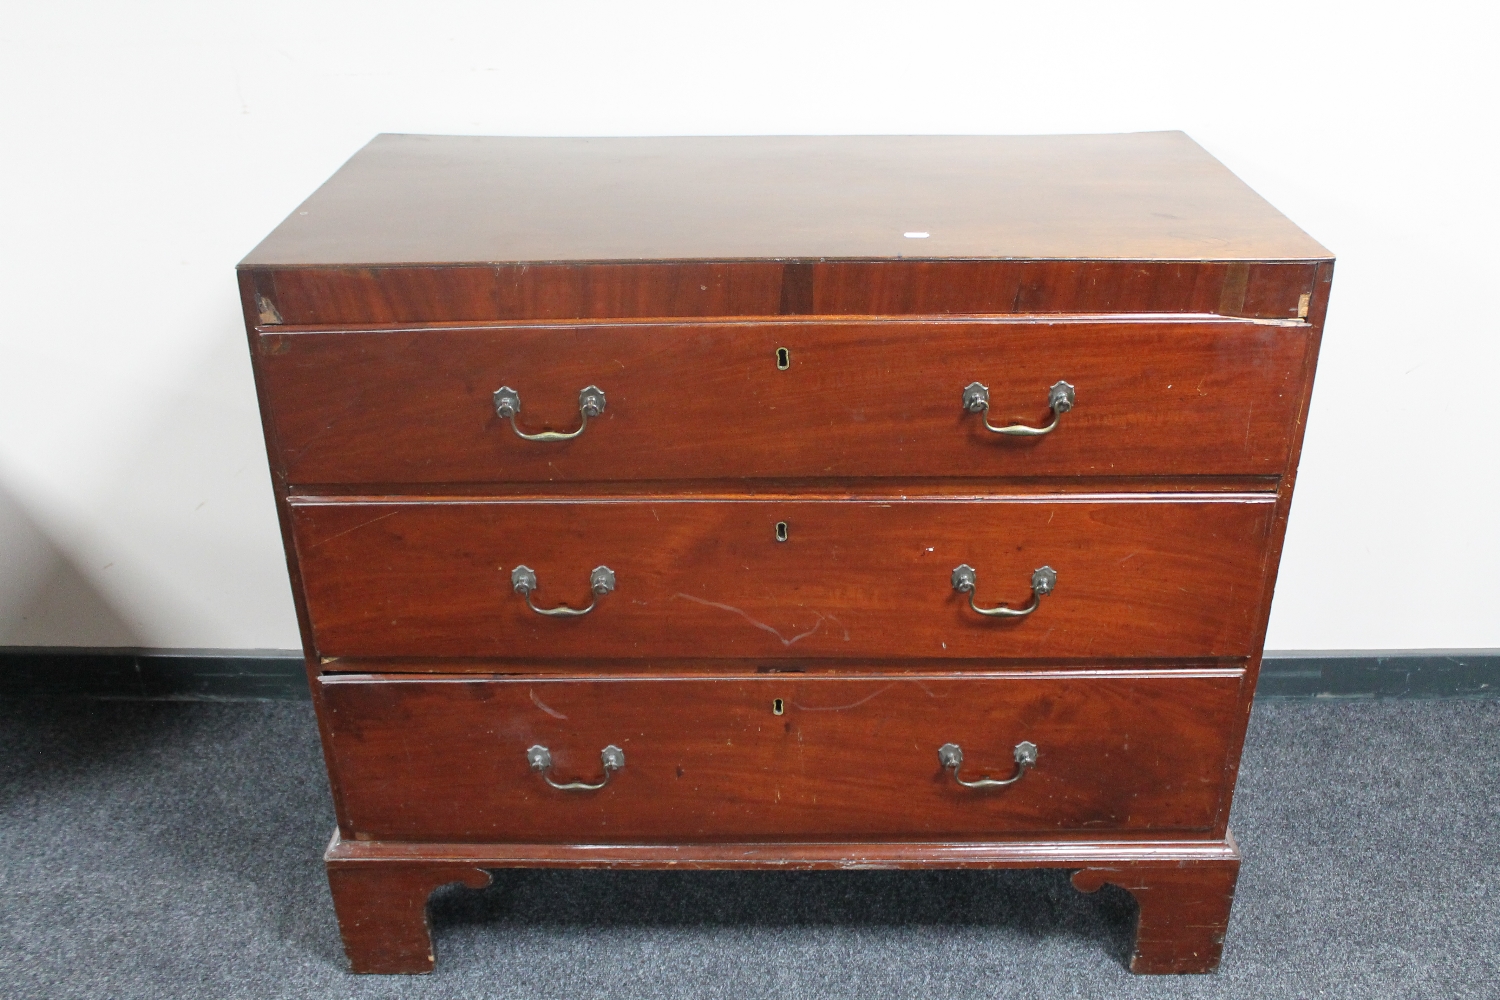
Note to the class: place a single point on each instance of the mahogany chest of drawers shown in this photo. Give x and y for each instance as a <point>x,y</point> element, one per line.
<point>784,503</point>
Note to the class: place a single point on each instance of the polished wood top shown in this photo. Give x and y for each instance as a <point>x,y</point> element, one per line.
<point>415,199</point>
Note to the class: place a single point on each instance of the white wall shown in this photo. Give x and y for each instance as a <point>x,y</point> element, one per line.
<point>147,147</point>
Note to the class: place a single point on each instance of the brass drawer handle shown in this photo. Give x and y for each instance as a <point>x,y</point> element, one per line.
<point>523,581</point>
<point>1043,582</point>
<point>590,404</point>
<point>952,757</point>
<point>1060,397</point>
<point>540,759</point>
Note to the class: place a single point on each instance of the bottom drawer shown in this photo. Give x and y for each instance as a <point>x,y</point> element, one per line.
<point>847,757</point>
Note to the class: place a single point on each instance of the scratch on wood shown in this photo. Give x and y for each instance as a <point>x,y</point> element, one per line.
<point>841,708</point>
<point>307,446</point>
<point>927,690</point>
<point>759,625</point>
<point>538,703</point>
<point>362,524</point>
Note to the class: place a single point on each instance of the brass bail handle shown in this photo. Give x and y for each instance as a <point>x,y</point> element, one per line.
<point>1060,398</point>
<point>951,756</point>
<point>540,759</point>
<point>523,582</point>
<point>508,404</point>
<point>1043,582</point>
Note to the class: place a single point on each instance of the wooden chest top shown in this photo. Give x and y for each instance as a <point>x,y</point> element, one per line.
<point>416,199</point>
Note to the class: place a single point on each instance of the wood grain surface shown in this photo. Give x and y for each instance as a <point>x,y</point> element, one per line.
<point>1070,852</point>
<point>485,199</point>
<point>709,759</point>
<point>431,293</point>
<point>1183,911</point>
<point>1164,576</point>
<point>382,911</point>
<point>1184,888</point>
<point>704,401</point>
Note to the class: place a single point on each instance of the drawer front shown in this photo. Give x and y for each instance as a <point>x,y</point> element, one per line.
<point>709,759</point>
<point>712,400</point>
<point>1177,576</point>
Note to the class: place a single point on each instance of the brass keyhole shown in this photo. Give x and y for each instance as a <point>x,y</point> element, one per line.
<point>783,358</point>
<point>777,707</point>
<point>781,531</point>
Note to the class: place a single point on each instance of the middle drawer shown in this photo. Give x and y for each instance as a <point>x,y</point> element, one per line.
<point>1142,576</point>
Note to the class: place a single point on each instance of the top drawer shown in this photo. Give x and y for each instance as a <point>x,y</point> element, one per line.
<point>783,400</point>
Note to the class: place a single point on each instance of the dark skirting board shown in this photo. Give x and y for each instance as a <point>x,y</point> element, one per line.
<point>154,674</point>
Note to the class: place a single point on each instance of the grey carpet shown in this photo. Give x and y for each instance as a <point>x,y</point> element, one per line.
<point>160,850</point>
